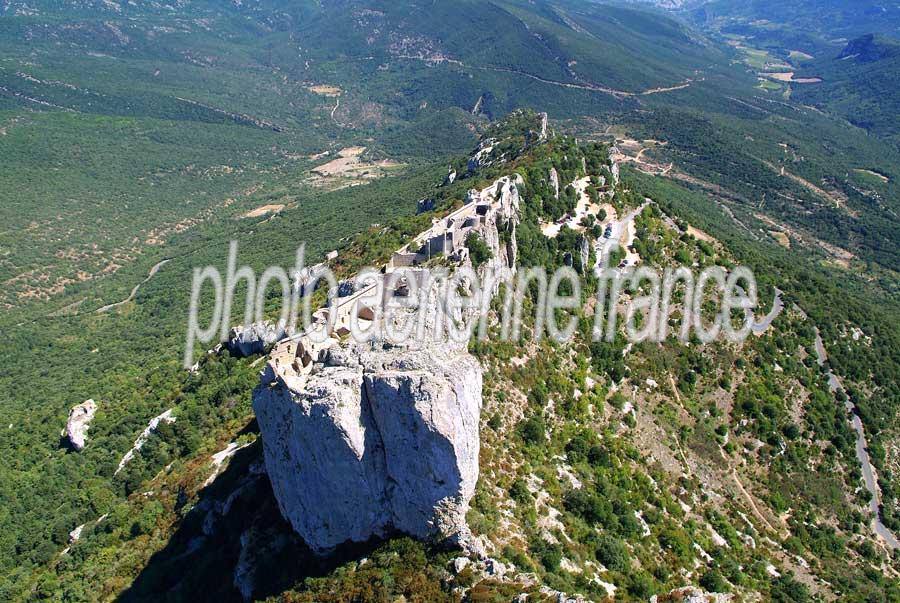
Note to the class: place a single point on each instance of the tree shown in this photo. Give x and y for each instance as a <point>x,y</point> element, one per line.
<point>713,582</point>
<point>641,586</point>
<point>787,590</point>
<point>612,553</point>
<point>519,492</point>
<point>479,252</point>
<point>532,431</point>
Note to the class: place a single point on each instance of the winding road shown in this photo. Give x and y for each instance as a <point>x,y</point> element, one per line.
<point>621,235</point>
<point>587,85</point>
<point>337,104</point>
<point>861,451</point>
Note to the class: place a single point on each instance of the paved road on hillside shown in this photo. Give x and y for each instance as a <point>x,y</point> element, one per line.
<point>861,452</point>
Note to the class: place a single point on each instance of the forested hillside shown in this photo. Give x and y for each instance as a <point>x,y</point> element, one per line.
<point>860,84</point>
<point>657,466</point>
<point>152,119</point>
<point>803,22</point>
<point>137,139</point>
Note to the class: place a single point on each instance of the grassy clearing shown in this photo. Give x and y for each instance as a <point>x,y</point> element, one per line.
<point>797,55</point>
<point>770,86</point>
<point>871,176</point>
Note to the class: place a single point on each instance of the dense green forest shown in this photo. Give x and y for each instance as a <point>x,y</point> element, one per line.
<point>129,361</point>
<point>859,84</point>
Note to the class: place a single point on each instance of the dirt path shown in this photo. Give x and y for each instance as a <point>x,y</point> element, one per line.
<point>337,104</point>
<point>675,389</point>
<point>751,502</point>
<point>718,196</point>
<point>667,89</point>
<point>591,87</point>
<point>134,291</point>
<point>622,235</point>
<point>839,255</point>
<point>835,198</point>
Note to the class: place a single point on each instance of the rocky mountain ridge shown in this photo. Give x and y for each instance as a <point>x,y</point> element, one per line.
<point>608,470</point>
<point>363,440</point>
<point>375,442</point>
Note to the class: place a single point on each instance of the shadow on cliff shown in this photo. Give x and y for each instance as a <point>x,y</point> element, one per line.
<point>234,544</point>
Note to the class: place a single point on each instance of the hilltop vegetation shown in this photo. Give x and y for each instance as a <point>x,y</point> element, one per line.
<point>137,132</point>
<point>639,456</point>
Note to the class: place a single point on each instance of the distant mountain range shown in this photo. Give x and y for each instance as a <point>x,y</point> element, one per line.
<point>823,20</point>
<point>859,76</point>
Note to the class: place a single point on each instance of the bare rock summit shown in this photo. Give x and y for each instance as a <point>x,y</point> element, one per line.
<point>374,441</point>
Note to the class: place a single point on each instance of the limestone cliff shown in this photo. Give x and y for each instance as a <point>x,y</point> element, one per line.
<point>365,439</point>
<point>80,418</point>
<point>373,441</point>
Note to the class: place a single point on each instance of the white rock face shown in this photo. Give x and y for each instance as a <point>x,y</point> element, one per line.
<point>364,439</point>
<point>482,155</point>
<point>554,182</point>
<point>451,176</point>
<point>75,534</point>
<point>375,440</point>
<point>80,418</point>
<point>689,594</point>
<point>167,417</point>
<point>504,249</point>
<point>584,251</point>
<point>247,341</point>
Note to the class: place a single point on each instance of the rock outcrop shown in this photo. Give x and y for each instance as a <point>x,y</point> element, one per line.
<point>451,176</point>
<point>499,231</point>
<point>614,171</point>
<point>365,439</point>
<point>79,421</point>
<point>167,417</point>
<point>689,594</point>
<point>584,252</point>
<point>425,205</point>
<point>482,156</point>
<point>254,339</point>
<point>375,440</point>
